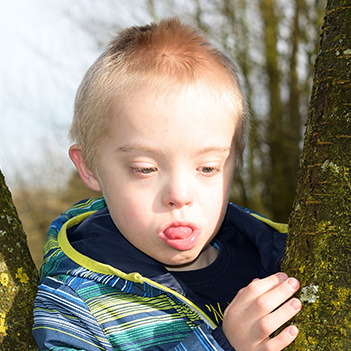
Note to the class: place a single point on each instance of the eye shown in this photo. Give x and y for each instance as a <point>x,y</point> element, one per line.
<point>208,171</point>
<point>143,171</point>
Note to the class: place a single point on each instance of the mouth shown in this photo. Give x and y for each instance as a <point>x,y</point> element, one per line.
<point>180,236</point>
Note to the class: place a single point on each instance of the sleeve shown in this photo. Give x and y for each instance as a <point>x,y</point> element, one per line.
<point>222,340</point>
<point>63,322</point>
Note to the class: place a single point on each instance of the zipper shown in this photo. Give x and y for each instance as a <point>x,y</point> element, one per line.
<point>191,305</point>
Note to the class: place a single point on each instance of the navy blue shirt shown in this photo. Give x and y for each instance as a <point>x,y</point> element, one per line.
<point>217,284</point>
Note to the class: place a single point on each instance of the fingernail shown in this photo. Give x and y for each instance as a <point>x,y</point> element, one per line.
<point>296,304</point>
<point>293,283</point>
<point>282,276</point>
<point>293,331</point>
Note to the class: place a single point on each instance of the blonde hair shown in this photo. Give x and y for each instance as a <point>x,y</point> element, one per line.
<point>166,56</point>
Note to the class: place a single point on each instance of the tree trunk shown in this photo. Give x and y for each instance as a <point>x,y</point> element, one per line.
<point>319,243</point>
<point>18,279</point>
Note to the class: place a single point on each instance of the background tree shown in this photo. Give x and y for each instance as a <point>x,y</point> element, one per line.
<point>319,245</point>
<point>18,279</point>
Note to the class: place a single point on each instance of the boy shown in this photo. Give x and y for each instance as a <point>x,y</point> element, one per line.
<point>159,127</point>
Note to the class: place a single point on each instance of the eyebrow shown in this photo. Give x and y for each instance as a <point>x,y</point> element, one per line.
<point>144,148</point>
<point>139,147</point>
<point>221,149</point>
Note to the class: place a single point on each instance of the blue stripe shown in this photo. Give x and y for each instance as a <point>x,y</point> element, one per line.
<point>204,341</point>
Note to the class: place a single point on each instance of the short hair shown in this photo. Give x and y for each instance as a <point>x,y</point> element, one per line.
<point>164,55</point>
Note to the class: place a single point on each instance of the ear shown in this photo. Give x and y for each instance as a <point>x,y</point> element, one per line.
<point>88,177</point>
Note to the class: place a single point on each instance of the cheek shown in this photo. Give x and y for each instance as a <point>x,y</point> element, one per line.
<point>212,205</point>
<point>217,204</point>
<point>129,210</point>
<point>220,193</point>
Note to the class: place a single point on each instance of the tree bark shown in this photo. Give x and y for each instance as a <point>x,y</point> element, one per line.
<point>18,279</point>
<point>319,243</point>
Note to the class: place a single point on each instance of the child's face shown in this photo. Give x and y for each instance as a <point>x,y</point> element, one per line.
<point>166,169</point>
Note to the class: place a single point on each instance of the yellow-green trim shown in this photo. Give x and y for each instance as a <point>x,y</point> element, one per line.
<point>85,261</point>
<point>281,227</point>
<point>102,268</point>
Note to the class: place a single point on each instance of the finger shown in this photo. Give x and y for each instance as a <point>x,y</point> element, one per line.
<point>259,287</point>
<point>273,298</point>
<point>263,285</point>
<point>246,297</point>
<point>270,323</point>
<point>282,340</point>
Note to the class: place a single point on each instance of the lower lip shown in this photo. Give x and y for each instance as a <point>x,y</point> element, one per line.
<point>181,244</point>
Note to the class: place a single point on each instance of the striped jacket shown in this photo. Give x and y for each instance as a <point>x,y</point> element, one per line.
<point>83,304</point>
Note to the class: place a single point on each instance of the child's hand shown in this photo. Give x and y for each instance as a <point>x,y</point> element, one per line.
<point>254,314</point>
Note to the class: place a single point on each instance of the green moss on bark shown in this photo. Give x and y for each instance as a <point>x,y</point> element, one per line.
<point>18,279</point>
<point>319,244</point>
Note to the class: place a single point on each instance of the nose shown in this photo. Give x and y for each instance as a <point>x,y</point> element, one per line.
<point>177,192</point>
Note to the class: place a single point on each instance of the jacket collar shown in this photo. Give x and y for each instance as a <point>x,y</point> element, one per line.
<point>67,234</point>
<point>98,238</point>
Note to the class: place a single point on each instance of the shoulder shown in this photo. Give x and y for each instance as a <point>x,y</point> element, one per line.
<point>236,212</point>
<point>247,230</point>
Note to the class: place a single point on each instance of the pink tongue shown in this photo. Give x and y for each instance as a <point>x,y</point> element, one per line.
<point>177,232</point>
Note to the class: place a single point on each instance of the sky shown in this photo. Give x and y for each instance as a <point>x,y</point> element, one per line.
<point>44,55</point>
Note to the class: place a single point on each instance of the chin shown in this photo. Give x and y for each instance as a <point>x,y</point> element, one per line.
<point>181,264</point>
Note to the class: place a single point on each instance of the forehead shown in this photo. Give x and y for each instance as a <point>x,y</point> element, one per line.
<point>213,80</point>
<point>195,114</point>
<point>212,88</point>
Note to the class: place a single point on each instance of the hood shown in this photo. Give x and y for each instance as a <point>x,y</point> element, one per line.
<point>85,236</point>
